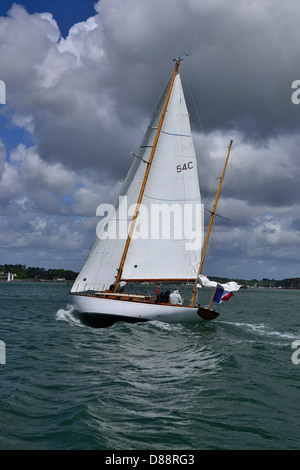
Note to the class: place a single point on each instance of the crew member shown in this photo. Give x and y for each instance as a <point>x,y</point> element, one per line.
<point>175,297</point>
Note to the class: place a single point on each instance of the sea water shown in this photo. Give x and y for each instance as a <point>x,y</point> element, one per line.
<point>233,383</point>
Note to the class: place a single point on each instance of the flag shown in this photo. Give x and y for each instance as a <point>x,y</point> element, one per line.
<point>221,294</point>
<point>230,286</point>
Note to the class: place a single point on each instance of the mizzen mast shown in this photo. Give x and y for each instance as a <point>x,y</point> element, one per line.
<point>213,213</point>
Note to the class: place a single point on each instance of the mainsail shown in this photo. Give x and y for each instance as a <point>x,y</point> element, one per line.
<point>167,237</point>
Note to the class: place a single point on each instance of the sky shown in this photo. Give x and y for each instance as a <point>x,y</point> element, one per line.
<point>82,79</point>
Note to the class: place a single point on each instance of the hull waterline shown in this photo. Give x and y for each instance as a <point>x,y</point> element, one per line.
<point>103,312</point>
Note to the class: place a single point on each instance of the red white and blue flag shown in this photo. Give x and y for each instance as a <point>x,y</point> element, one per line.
<point>221,294</point>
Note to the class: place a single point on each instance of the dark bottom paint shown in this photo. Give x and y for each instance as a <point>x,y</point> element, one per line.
<point>207,314</point>
<point>101,320</point>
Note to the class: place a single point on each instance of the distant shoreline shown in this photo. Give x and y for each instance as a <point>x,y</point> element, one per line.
<point>279,284</point>
<point>4,279</point>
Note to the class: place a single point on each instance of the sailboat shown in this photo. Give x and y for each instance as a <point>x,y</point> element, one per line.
<point>162,179</point>
<point>10,277</point>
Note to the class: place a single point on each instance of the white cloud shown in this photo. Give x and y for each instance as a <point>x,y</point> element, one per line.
<point>85,101</point>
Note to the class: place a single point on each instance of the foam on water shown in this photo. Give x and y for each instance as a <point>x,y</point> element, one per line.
<point>166,326</point>
<point>69,316</point>
<point>263,329</point>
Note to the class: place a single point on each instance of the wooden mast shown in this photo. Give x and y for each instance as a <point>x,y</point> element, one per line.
<point>146,176</point>
<point>210,224</point>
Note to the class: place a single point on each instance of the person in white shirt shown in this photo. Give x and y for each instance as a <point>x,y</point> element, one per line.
<point>175,297</point>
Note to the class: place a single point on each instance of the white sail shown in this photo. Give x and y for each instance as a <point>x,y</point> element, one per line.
<point>230,286</point>
<point>172,197</point>
<point>10,277</point>
<point>159,248</point>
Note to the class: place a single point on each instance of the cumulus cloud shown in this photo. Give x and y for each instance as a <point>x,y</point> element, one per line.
<point>85,101</point>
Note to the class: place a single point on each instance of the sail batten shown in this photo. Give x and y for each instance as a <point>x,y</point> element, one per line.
<point>176,135</point>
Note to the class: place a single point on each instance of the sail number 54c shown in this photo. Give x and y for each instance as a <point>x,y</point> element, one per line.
<point>185,166</point>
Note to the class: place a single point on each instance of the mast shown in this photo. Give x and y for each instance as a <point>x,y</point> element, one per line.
<point>146,176</point>
<point>210,224</point>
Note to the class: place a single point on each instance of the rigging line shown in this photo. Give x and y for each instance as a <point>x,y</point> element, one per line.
<point>209,250</point>
<point>194,103</point>
<point>140,158</point>
<point>216,215</point>
<point>150,117</point>
<point>191,199</point>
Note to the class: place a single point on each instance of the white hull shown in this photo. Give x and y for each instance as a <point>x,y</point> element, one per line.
<point>109,311</point>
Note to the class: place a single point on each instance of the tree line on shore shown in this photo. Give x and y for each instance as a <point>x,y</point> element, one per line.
<point>290,283</point>
<point>22,272</point>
